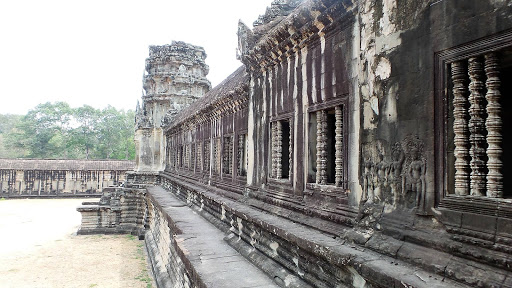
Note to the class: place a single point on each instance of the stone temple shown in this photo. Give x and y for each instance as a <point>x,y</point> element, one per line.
<point>360,144</point>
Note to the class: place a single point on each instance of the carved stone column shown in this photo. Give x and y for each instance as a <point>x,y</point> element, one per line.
<point>494,126</point>
<point>477,127</point>
<point>225,155</point>
<point>460,128</point>
<point>339,146</point>
<point>274,150</point>
<point>200,156</point>
<point>240,155</point>
<point>279,150</point>
<point>206,163</point>
<point>193,157</point>
<point>230,155</point>
<point>290,153</point>
<point>321,147</point>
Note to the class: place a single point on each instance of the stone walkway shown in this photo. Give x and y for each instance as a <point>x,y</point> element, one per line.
<point>217,263</point>
<point>39,248</point>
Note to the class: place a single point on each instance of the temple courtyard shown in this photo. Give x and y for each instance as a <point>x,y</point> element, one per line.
<point>39,248</point>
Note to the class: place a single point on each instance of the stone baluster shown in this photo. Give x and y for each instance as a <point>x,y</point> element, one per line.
<point>200,156</point>
<point>230,155</point>
<point>225,155</point>
<point>339,146</point>
<point>460,128</point>
<point>477,127</point>
<point>494,126</point>
<point>321,145</point>
<point>279,150</point>
<point>290,153</point>
<point>219,154</point>
<point>193,157</point>
<point>206,165</point>
<point>239,155</point>
<point>274,150</point>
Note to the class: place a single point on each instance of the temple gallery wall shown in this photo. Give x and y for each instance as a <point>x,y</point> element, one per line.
<point>362,143</point>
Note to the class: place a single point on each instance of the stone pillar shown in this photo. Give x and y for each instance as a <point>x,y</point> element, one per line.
<point>339,146</point>
<point>477,127</point>
<point>460,128</point>
<point>321,147</point>
<point>274,149</point>
<point>494,126</point>
<point>279,150</point>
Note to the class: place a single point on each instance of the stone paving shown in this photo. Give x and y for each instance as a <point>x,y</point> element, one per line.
<point>39,248</point>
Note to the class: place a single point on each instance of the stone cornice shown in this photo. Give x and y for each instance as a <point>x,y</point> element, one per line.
<point>308,22</point>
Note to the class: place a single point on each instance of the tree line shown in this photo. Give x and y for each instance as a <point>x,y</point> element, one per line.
<point>57,131</point>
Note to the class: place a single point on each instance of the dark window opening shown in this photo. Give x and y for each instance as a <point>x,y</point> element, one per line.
<point>312,137</point>
<point>506,101</point>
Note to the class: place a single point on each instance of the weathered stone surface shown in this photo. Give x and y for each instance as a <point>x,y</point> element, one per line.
<point>60,178</point>
<point>371,135</point>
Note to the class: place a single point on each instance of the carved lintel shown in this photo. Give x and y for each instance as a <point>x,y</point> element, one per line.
<point>339,146</point>
<point>477,127</point>
<point>494,126</point>
<point>460,128</point>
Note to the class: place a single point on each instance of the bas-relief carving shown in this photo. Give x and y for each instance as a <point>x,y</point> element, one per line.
<point>397,179</point>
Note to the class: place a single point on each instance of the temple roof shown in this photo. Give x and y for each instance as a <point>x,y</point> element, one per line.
<point>226,88</point>
<point>68,164</point>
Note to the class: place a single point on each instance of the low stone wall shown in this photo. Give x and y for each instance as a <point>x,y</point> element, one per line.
<point>119,211</point>
<point>290,253</point>
<point>60,178</point>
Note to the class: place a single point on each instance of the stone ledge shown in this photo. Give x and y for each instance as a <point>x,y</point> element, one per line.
<point>210,261</point>
<point>360,262</point>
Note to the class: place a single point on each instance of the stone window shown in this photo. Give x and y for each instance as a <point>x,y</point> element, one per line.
<point>180,156</point>
<point>477,162</point>
<point>281,149</point>
<point>326,146</point>
<point>227,155</point>
<point>242,155</point>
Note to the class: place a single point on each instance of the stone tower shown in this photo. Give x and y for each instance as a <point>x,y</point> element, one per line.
<point>175,77</point>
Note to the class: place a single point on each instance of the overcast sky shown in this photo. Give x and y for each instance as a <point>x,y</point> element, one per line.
<point>92,52</point>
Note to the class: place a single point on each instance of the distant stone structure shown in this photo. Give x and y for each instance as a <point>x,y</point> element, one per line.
<point>176,77</point>
<point>361,144</point>
<point>48,177</point>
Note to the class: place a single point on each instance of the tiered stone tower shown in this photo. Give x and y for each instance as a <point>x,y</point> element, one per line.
<point>175,77</point>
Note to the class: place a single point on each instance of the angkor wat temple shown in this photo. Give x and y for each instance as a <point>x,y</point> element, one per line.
<point>361,144</point>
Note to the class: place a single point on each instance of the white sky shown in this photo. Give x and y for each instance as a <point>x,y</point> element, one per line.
<point>93,52</point>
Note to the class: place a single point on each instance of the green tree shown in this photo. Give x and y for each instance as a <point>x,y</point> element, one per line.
<point>54,130</point>
<point>42,132</point>
<point>8,124</point>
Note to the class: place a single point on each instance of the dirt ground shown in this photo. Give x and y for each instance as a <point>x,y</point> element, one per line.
<point>39,248</point>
